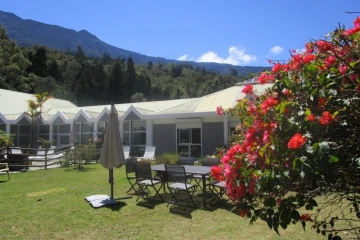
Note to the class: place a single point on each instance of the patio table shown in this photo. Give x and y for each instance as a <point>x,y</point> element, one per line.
<point>201,170</point>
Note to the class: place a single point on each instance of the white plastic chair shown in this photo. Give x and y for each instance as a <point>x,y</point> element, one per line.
<point>126,150</point>
<point>149,153</point>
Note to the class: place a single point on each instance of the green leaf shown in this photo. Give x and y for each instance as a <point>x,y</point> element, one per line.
<point>303,223</point>
<point>269,222</point>
<point>287,82</point>
<point>333,159</point>
<point>295,215</point>
<point>313,93</point>
<point>270,202</point>
<point>313,202</point>
<point>313,70</point>
<point>308,207</point>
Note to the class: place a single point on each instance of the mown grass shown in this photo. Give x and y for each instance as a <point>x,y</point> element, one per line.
<point>49,204</point>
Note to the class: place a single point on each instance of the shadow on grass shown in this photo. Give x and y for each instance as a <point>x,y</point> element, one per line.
<point>180,211</point>
<point>3,181</point>
<point>116,207</point>
<point>76,168</point>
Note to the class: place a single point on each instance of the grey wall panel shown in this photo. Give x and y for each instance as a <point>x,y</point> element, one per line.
<point>58,120</point>
<point>132,116</point>
<point>164,137</point>
<point>104,118</point>
<point>23,121</point>
<point>1,121</point>
<point>81,118</point>
<point>212,137</point>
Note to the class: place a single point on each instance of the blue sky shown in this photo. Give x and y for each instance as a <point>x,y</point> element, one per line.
<point>239,32</point>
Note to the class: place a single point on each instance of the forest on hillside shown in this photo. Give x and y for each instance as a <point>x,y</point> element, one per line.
<point>85,80</point>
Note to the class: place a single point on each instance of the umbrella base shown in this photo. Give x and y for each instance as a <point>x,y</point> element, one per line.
<point>97,201</point>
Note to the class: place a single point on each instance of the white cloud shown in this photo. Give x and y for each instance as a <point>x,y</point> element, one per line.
<point>183,57</point>
<point>236,56</point>
<point>276,50</point>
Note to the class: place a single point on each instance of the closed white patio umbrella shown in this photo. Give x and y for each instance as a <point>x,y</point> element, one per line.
<point>112,154</point>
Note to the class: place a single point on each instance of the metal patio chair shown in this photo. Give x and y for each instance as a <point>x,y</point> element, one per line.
<point>181,191</point>
<point>187,161</point>
<point>144,180</point>
<point>219,190</point>
<point>205,162</point>
<point>130,173</point>
<point>4,167</point>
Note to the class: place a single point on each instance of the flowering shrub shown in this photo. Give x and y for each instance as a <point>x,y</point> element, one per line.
<point>300,140</point>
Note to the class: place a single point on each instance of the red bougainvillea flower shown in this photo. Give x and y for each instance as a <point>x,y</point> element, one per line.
<point>305,217</point>
<point>252,187</point>
<point>276,68</point>
<point>219,110</point>
<point>322,102</point>
<point>357,22</point>
<point>358,87</point>
<point>326,118</point>
<point>240,190</point>
<point>296,141</point>
<point>323,46</point>
<point>265,78</point>
<point>248,89</point>
<point>309,47</point>
<point>216,172</point>
<point>243,212</point>
<point>330,60</point>
<point>308,58</point>
<point>311,118</point>
<point>353,77</point>
<point>343,69</point>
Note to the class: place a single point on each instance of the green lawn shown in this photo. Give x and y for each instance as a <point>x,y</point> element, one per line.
<point>49,204</point>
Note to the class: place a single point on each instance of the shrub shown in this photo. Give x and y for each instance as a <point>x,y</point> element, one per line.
<point>300,140</point>
<point>167,158</point>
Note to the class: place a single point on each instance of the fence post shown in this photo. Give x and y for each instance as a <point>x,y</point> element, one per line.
<point>7,154</point>
<point>46,151</point>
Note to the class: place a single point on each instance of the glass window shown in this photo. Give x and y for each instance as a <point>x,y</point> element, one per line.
<point>44,129</point>
<point>102,127</point>
<point>189,142</point>
<point>24,129</point>
<point>138,126</point>
<point>14,129</point>
<point>55,128</point>
<point>24,140</point>
<point>64,128</point>
<point>134,135</point>
<point>3,127</point>
<point>126,139</point>
<point>65,139</point>
<point>77,127</point>
<point>138,138</point>
<point>86,137</point>
<point>61,134</point>
<point>86,127</point>
<point>195,135</point>
<point>127,126</point>
<point>184,135</point>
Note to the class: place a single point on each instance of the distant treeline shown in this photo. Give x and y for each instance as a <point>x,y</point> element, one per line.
<point>93,81</point>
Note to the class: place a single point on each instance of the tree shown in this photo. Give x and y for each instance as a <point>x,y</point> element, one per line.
<point>40,100</point>
<point>13,65</point>
<point>131,78</point>
<point>33,114</point>
<point>298,147</point>
<point>39,65</point>
<point>117,84</point>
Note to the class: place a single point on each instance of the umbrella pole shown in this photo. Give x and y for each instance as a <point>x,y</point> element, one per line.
<point>111,179</point>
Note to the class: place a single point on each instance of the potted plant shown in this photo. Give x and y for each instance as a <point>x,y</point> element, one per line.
<point>44,143</point>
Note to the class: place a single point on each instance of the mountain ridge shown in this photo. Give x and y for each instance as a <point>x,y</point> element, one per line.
<point>27,32</point>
